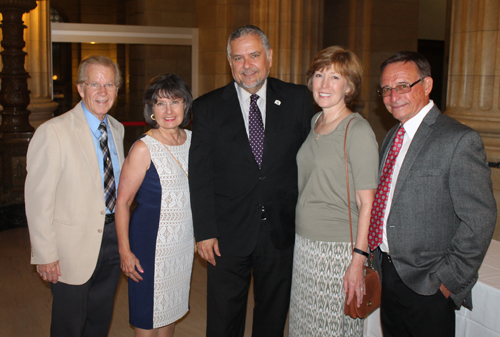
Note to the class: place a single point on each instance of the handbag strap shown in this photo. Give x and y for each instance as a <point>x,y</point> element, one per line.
<point>370,259</point>
<point>150,133</point>
<point>347,181</point>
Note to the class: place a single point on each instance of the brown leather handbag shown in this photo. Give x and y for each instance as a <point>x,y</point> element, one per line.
<point>373,289</point>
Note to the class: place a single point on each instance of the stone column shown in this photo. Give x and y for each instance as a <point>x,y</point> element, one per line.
<point>292,26</point>
<point>216,20</point>
<point>474,75</point>
<point>294,31</point>
<point>39,63</point>
<point>374,30</point>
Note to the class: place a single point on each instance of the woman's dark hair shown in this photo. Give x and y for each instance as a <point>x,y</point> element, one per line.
<point>167,86</point>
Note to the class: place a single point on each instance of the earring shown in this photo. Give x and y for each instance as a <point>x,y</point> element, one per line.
<point>152,117</point>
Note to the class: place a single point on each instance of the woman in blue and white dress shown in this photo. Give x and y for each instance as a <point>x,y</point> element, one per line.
<point>156,243</point>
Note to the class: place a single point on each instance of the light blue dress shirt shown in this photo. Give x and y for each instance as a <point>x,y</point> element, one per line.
<point>94,123</point>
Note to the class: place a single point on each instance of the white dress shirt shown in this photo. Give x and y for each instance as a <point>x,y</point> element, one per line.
<point>411,126</point>
<point>244,99</point>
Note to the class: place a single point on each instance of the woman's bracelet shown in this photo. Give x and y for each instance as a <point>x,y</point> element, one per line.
<point>359,251</point>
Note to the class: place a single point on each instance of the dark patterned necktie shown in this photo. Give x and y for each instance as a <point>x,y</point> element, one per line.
<point>109,177</point>
<point>384,187</point>
<point>256,130</point>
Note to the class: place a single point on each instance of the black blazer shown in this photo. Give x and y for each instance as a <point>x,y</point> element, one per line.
<point>226,185</point>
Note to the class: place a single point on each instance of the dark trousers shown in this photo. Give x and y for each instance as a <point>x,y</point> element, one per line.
<point>404,313</point>
<point>228,284</point>
<point>85,310</point>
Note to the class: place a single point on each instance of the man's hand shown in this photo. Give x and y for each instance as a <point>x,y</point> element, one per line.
<point>49,272</point>
<point>445,291</point>
<point>207,248</point>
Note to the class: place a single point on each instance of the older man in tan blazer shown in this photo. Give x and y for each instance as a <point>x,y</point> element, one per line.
<point>73,165</point>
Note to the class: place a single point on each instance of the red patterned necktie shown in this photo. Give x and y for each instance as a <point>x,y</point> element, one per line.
<point>383,189</point>
<point>256,130</point>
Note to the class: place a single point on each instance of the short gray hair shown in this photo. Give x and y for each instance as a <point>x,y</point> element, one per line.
<point>98,60</point>
<point>247,30</point>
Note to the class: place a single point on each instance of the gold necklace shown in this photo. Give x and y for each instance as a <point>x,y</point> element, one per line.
<point>327,123</point>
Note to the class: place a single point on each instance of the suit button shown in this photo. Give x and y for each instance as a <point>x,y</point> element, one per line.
<point>262,178</point>
<point>103,212</point>
<point>99,230</point>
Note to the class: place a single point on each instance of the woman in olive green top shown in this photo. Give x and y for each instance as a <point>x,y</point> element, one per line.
<point>325,266</point>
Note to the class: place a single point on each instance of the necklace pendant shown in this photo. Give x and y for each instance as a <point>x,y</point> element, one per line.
<point>317,137</point>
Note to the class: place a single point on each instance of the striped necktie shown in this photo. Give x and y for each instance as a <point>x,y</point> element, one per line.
<point>109,177</point>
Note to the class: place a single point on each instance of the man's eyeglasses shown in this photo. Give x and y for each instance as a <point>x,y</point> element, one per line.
<point>96,86</point>
<point>402,88</point>
<point>163,105</point>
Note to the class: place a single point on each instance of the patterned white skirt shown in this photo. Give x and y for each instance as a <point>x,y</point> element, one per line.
<point>317,300</point>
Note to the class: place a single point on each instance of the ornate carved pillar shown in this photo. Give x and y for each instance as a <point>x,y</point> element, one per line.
<point>15,129</point>
<point>474,75</point>
<point>39,63</point>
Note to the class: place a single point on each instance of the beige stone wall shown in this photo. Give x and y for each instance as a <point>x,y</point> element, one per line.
<point>293,29</point>
<point>216,20</point>
<point>147,61</point>
<point>164,13</point>
<point>374,30</point>
<point>69,9</point>
<point>292,26</point>
<point>474,75</point>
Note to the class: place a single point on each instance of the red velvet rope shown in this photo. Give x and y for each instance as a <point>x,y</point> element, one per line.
<point>134,123</point>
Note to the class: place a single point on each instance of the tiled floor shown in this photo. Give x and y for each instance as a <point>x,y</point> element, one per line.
<point>25,300</point>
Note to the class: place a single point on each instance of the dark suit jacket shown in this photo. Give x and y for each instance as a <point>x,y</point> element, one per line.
<point>227,187</point>
<point>443,212</point>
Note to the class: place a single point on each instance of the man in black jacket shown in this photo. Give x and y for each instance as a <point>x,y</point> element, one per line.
<point>243,183</point>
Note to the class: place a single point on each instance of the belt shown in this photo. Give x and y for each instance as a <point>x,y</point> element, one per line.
<point>388,256</point>
<point>109,218</point>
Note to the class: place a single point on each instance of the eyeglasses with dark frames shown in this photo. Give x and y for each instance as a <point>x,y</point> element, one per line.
<point>402,88</point>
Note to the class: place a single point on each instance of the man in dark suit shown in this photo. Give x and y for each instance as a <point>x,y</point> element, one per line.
<point>434,212</point>
<point>243,182</point>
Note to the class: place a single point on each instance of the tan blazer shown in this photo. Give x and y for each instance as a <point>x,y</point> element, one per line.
<point>64,194</point>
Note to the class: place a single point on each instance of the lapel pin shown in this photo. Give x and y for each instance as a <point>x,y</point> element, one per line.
<point>277,102</point>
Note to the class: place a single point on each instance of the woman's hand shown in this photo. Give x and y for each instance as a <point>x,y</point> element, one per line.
<point>354,280</point>
<point>130,265</point>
